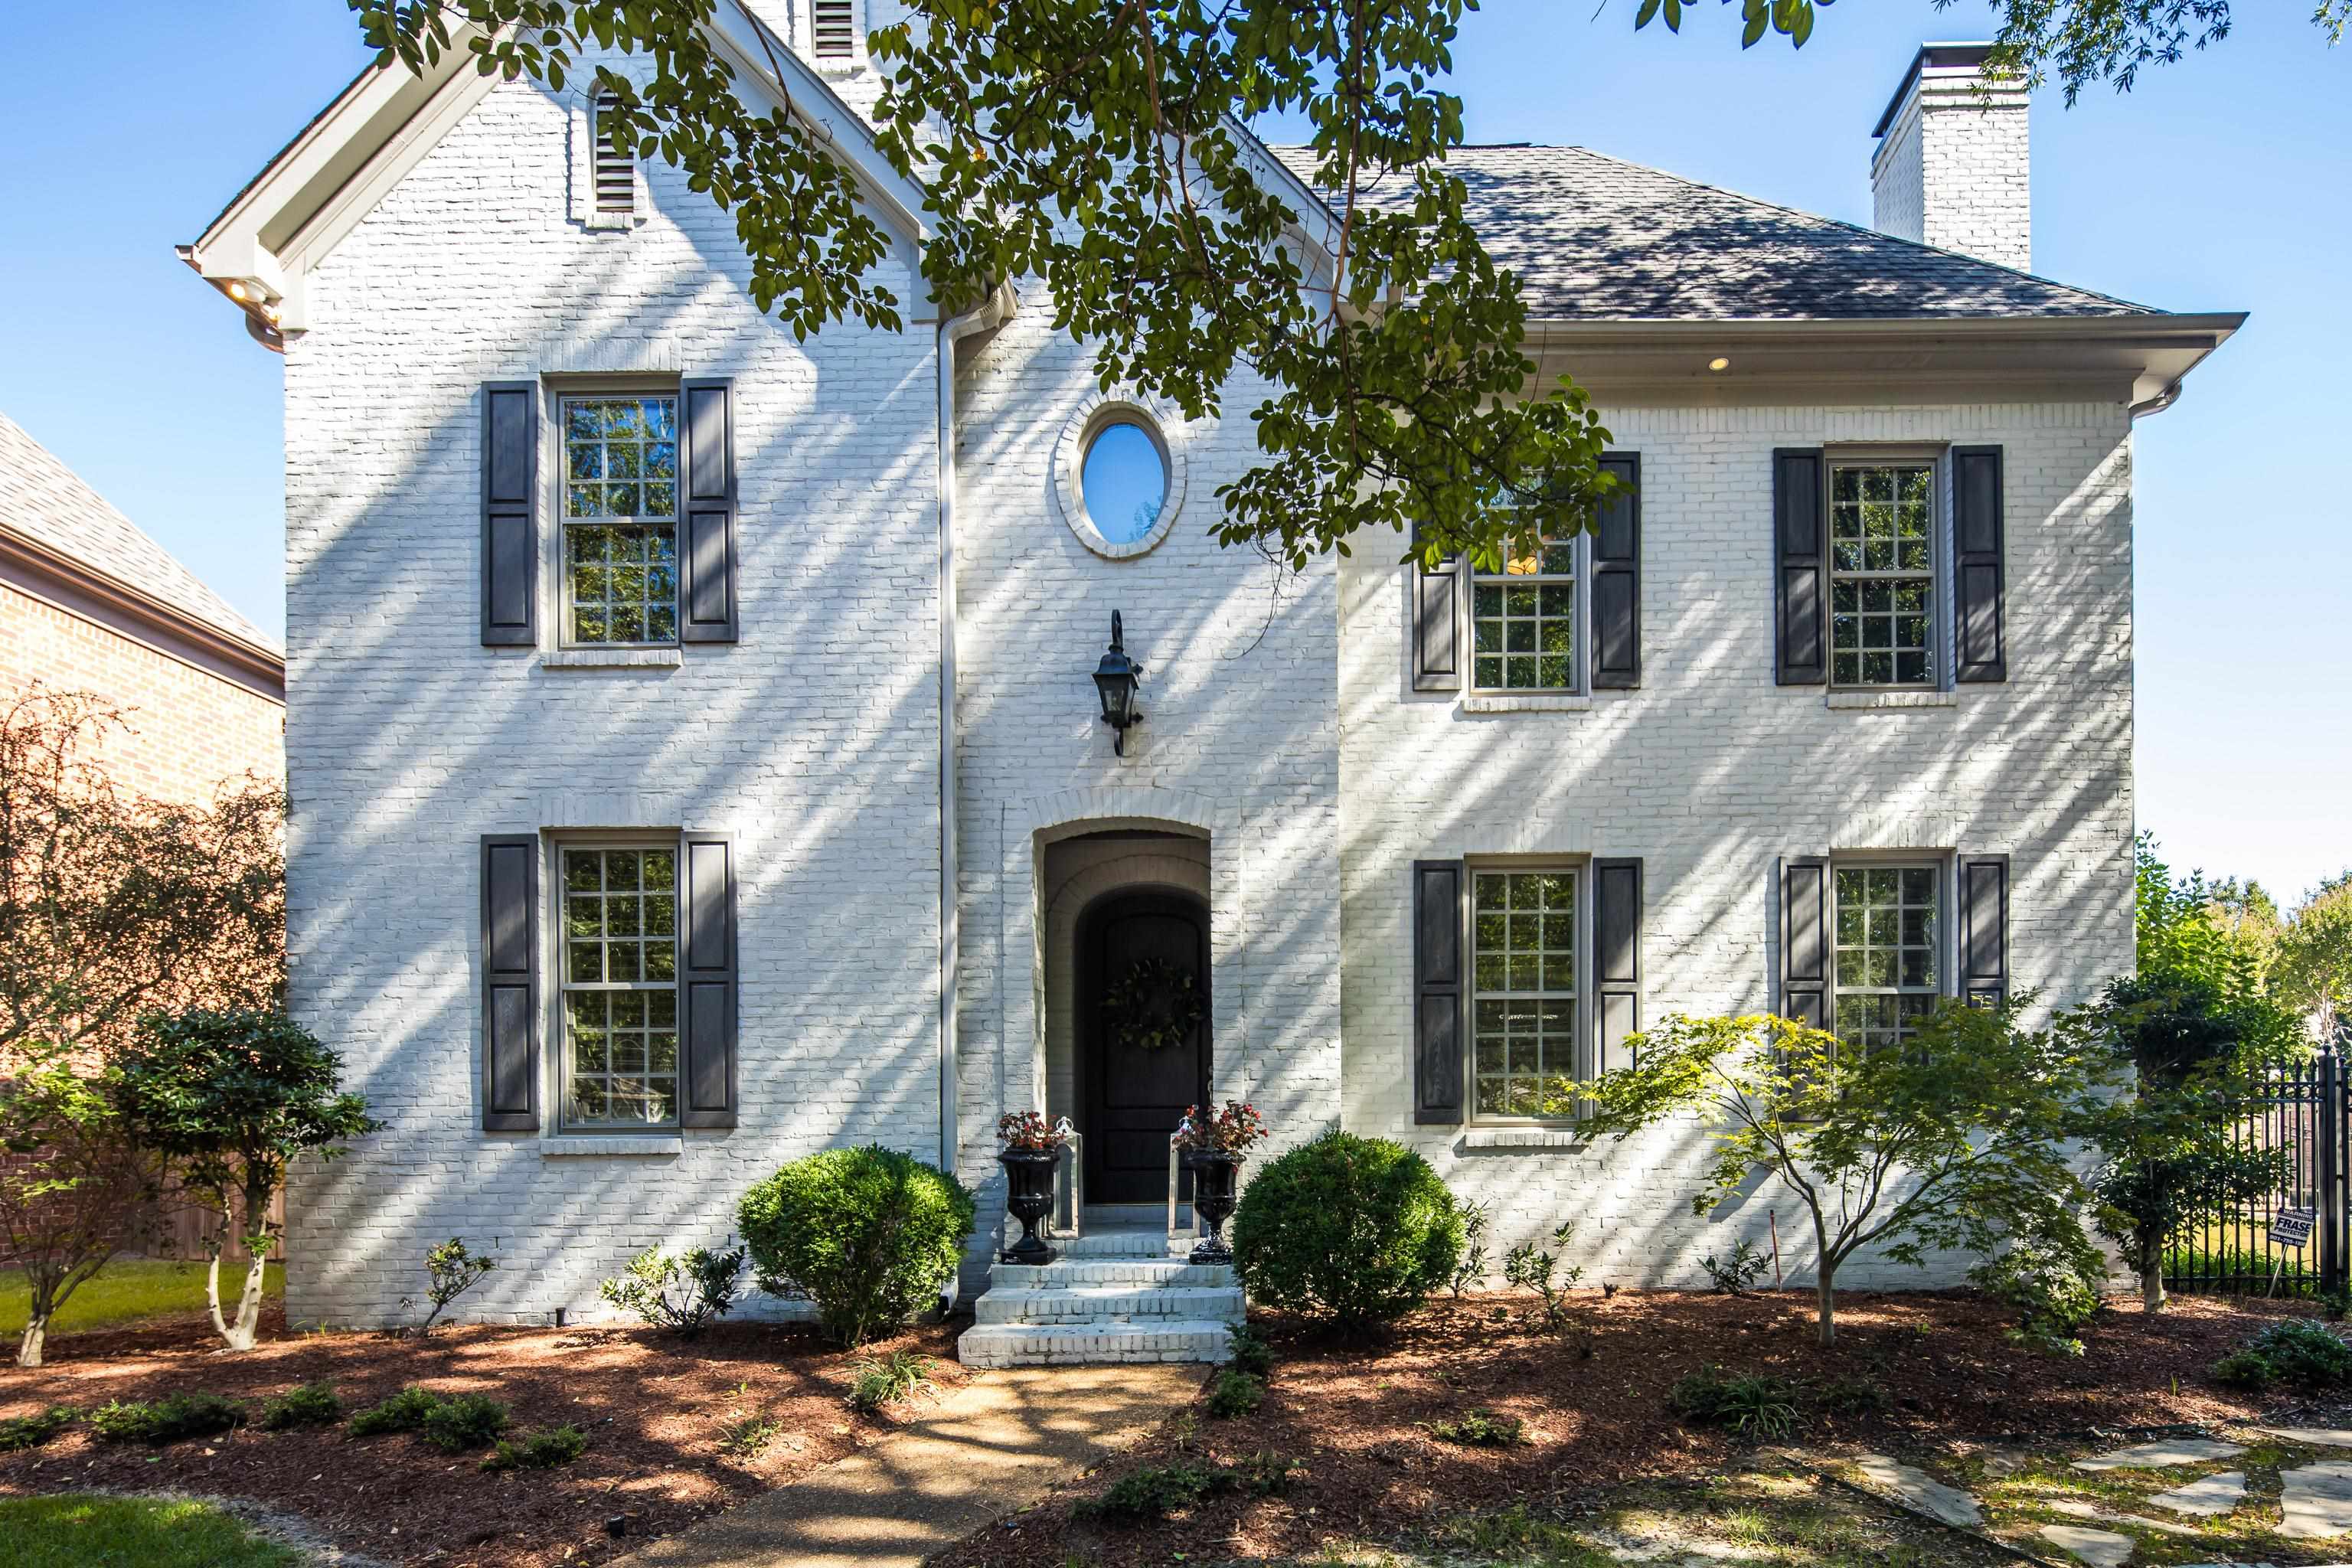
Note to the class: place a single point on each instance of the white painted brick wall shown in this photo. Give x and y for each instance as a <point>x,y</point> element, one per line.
<point>814,739</point>
<point>1710,772</point>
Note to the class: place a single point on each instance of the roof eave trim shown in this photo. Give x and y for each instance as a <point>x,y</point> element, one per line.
<point>265,663</point>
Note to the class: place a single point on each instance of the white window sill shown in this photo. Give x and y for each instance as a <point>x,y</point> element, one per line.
<point>612,658</point>
<point>1894,699</point>
<point>616,1143</point>
<point>1526,702</point>
<point>1522,1137</point>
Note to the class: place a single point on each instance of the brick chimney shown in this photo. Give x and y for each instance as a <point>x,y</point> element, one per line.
<point>1952,169</point>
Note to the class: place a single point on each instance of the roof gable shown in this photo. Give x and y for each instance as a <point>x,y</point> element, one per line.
<point>342,166</point>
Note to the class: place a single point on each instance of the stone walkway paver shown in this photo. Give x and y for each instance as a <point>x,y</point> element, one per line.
<point>2099,1513</point>
<point>999,1442</point>
<point>2099,1548</point>
<point>2316,1500</point>
<point>2208,1498</point>
<point>2163,1452</point>
<point>1918,1489</point>
<point>2316,1436</point>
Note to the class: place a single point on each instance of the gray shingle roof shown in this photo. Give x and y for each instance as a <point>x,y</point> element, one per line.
<point>46,502</point>
<point>1595,239</point>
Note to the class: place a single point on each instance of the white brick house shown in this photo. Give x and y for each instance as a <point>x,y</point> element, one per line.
<point>632,857</point>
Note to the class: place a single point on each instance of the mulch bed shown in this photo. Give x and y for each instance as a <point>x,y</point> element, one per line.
<point>1593,1399</point>
<point>651,1404</point>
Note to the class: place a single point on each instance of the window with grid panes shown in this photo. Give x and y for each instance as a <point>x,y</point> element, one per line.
<point>1886,939</point>
<point>1523,993</point>
<point>1882,574</point>
<point>620,519</point>
<point>1523,621</point>
<point>620,986</point>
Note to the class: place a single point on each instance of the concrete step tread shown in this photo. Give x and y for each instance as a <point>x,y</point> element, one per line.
<point>1038,1344</point>
<point>1082,1272</point>
<point>1109,1305</point>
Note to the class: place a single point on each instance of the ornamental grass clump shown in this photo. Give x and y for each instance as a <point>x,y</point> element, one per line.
<point>877,1381</point>
<point>1357,1231</point>
<point>869,1235</point>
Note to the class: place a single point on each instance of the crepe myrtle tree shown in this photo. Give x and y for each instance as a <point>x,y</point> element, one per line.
<point>1954,1141</point>
<point>112,904</point>
<point>230,1098</point>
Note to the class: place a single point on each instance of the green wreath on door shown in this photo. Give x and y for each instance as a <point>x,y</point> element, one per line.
<point>1154,1006</point>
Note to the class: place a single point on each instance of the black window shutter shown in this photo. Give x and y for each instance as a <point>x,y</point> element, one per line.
<point>706,545</point>
<point>1805,939</point>
<point>510,982</point>
<point>1436,649</point>
<point>1977,570</point>
<point>1616,960</point>
<point>706,981</point>
<point>1617,579</point>
<point>1439,889</point>
<point>1801,526</point>
<point>510,513</point>
<point>1984,930</point>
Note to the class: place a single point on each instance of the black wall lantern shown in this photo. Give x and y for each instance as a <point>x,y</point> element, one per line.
<point>1117,676</point>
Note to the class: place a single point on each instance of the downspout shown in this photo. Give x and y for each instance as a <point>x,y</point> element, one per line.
<point>2160,402</point>
<point>991,314</point>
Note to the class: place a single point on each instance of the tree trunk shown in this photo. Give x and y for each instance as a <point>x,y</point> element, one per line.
<point>1825,1300</point>
<point>37,1333</point>
<point>2151,1278</point>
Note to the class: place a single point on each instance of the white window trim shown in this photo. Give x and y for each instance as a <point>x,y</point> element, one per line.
<point>1574,698</point>
<point>567,651</point>
<point>1936,458</point>
<point>559,1135</point>
<point>1945,863</point>
<point>1580,866</point>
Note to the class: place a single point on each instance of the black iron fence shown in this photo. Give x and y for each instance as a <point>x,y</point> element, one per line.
<point>2244,1248</point>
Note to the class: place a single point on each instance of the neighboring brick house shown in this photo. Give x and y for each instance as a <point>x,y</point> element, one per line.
<point>695,761</point>
<point>90,603</point>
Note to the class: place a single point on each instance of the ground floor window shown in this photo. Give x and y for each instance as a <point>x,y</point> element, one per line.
<point>619,986</point>
<point>1523,998</point>
<point>1887,974</point>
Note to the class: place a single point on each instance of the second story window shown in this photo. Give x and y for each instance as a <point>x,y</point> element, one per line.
<point>1882,574</point>
<point>1523,620</point>
<point>620,519</point>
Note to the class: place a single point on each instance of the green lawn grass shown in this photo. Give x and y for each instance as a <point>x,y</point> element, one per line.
<point>127,1289</point>
<point>72,1532</point>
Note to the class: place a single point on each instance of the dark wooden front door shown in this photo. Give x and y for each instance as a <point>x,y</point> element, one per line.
<point>1131,1096</point>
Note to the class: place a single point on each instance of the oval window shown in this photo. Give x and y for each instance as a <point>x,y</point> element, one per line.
<point>1123,481</point>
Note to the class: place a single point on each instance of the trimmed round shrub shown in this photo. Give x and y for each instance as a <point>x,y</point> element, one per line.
<point>1355,1230</point>
<point>869,1235</point>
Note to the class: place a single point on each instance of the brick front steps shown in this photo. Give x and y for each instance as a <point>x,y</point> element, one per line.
<point>1113,1296</point>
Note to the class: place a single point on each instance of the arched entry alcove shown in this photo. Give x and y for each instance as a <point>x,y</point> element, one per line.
<point>1121,905</point>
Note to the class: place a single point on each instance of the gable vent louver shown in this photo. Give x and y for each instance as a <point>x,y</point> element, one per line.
<point>832,25</point>
<point>616,173</point>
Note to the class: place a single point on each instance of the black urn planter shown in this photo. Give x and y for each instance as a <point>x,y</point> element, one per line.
<point>1028,1197</point>
<point>1215,1176</point>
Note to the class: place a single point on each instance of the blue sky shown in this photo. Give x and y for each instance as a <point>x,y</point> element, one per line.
<point>2217,184</point>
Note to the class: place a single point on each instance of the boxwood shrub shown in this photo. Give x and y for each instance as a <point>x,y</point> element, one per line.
<point>867,1233</point>
<point>1358,1231</point>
